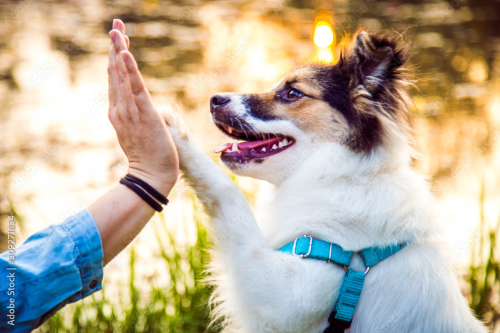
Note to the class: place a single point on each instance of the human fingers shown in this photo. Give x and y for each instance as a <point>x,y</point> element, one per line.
<point>119,25</point>
<point>139,90</point>
<point>114,90</point>
<point>118,40</point>
<point>113,84</point>
<point>129,109</point>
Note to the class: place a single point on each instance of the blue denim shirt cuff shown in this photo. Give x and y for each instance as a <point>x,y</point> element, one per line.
<point>56,266</point>
<point>84,233</point>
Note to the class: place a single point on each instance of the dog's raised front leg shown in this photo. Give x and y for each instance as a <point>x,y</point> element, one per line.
<point>223,201</point>
<point>265,290</point>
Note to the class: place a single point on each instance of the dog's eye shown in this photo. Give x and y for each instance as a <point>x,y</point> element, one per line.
<point>293,94</point>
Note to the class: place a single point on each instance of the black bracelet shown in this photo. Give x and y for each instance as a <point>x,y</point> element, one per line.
<point>152,202</point>
<point>154,193</point>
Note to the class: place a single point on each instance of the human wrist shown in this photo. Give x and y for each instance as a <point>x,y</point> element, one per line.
<point>161,182</point>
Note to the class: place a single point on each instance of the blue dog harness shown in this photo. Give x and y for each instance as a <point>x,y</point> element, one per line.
<point>308,247</point>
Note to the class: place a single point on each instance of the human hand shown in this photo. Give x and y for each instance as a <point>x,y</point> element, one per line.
<point>141,131</point>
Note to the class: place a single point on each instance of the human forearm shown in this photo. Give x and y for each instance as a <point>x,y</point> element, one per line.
<point>120,215</point>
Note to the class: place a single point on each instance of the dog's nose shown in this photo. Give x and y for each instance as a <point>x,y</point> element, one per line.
<point>219,100</point>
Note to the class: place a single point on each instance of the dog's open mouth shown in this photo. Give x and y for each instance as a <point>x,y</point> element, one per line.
<point>256,145</point>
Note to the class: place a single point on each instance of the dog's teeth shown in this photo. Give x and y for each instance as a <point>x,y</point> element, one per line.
<point>280,145</point>
<point>274,147</point>
<point>229,130</point>
<point>235,146</point>
<point>264,136</point>
<point>285,142</point>
<point>263,150</point>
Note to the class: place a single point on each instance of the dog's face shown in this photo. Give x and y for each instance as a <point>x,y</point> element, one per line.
<point>341,103</point>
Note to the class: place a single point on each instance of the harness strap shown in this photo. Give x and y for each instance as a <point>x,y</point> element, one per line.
<point>373,255</point>
<point>349,295</point>
<point>308,247</point>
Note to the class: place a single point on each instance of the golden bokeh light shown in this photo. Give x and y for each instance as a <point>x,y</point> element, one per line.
<point>478,70</point>
<point>323,35</point>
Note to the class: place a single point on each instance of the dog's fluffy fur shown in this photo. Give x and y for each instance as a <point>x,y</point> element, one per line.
<point>345,179</point>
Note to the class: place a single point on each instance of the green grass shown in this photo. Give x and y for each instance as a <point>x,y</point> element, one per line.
<point>484,271</point>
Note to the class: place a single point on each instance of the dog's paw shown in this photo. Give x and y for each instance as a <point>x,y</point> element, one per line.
<point>190,154</point>
<point>175,123</point>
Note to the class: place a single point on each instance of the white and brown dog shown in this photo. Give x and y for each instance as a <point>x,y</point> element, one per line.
<point>333,142</point>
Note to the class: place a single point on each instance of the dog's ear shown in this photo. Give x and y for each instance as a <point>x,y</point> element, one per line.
<point>375,59</point>
<point>373,66</point>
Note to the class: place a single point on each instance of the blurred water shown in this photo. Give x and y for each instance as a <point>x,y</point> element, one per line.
<point>58,151</point>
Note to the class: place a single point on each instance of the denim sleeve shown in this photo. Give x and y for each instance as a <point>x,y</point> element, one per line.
<point>56,266</point>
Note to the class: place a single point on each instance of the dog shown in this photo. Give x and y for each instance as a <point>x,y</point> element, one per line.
<point>334,144</point>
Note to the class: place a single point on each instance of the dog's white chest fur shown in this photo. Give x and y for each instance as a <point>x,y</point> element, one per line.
<point>261,290</point>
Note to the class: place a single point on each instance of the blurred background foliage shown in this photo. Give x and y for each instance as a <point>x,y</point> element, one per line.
<point>58,151</point>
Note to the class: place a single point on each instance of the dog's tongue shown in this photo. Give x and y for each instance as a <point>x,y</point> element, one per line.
<point>248,145</point>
